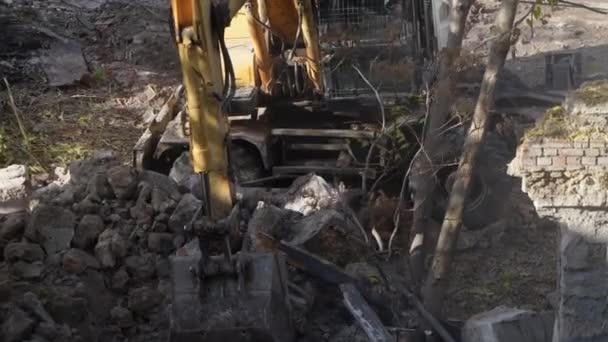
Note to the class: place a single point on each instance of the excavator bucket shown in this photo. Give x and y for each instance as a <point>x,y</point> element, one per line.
<point>246,304</point>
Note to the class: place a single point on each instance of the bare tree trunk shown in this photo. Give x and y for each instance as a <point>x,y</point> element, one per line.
<point>423,177</point>
<point>437,280</point>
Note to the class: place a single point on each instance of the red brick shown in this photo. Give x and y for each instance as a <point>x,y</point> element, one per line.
<point>543,161</point>
<point>573,161</point>
<point>592,152</point>
<point>581,144</point>
<point>588,160</point>
<point>602,161</point>
<point>530,161</point>
<point>571,152</point>
<point>550,152</point>
<point>563,144</point>
<point>597,144</point>
<point>559,161</point>
<point>533,152</point>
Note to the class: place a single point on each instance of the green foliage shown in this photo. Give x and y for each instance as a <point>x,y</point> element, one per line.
<point>64,153</point>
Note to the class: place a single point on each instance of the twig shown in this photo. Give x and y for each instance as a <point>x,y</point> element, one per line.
<point>565,3</point>
<point>397,217</point>
<point>515,25</point>
<point>382,130</point>
<point>16,114</point>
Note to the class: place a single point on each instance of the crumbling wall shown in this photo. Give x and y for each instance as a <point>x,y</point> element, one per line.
<point>566,176</point>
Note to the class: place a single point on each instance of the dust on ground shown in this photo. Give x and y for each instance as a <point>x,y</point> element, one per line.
<point>132,65</point>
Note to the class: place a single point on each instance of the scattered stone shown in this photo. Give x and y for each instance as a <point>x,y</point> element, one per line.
<point>122,317</point>
<point>17,325</point>
<point>120,279</point>
<point>163,269</point>
<point>141,267</point>
<point>160,242</point>
<point>99,187</point>
<point>110,248</point>
<point>82,171</point>
<point>14,189</point>
<point>270,220</point>
<point>89,228</point>
<point>308,194</point>
<point>32,303</point>
<point>86,206</point>
<point>326,233</point>
<point>161,203</point>
<point>64,63</point>
<point>482,238</point>
<point>51,226</point>
<point>504,324</point>
<point>28,271</point>
<point>23,251</point>
<point>77,261</point>
<point>158,227</point>
<point>12,227</point>
<point>184,212</point>
<point>182,172</point>
<point>144,299</point>
<point>52,332</point>
<point>161,182</point>
<point>65,197</point>
<point>123,180</point>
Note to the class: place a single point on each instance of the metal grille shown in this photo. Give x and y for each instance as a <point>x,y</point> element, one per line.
<point>360,22</point>
<point>370,36</point>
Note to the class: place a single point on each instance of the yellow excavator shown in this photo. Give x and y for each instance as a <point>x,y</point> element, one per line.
<point>300,85</point>
<point>314,67</point>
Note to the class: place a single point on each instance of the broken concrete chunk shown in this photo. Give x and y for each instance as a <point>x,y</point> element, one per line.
<point>89,228</point>
<point>504,324</point>
<point>12,227</point>
<point>123,180</point>
<point>99,187</point>
<point>326,233</point>
<point>120,280</point>
<point>144,299</point>
<point>270,220</point>
<point>308,194</point>
<point>17,325</point>
<point>160,242</point>
<point>24,251</point>
<point>141,267</point>
<point>25,270</point>
<point>122,317</point>
<point>32,303</point>
<point>110,248</point>
<point>64,64</point>
<point>14,189</point>
<point>51,226</point>
<point>77,261</point>
<point>184,212</point>
<point>161,182</point>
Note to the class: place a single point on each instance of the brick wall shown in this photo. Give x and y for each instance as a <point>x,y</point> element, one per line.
<point>563,155</point>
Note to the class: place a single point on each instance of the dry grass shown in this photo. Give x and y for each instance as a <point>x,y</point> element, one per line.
<point>62,126</point>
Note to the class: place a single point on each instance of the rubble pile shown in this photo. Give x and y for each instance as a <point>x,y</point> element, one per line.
<point>90,259</point>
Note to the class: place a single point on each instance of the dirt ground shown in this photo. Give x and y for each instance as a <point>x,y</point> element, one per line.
<point>133,67</point>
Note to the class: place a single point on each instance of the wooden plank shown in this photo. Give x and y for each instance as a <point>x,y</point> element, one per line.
<point>298,169</point>
<point>364,315</point>
<point>318,147</point>
<point>143,151</point>
<point>334,133</point>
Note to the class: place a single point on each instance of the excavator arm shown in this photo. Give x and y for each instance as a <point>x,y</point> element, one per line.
<point>199,33</point>
<point>199,26</point>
